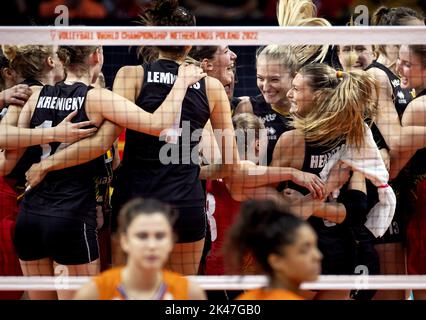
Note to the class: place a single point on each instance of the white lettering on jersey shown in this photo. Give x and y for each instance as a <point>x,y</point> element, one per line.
<point>166,78</point>
<point>210,210</point>
<point>319,161</point>
<point>395,82</point>
<point>60,104</point>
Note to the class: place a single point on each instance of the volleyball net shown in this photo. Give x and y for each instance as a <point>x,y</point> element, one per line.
<point>120,45</point>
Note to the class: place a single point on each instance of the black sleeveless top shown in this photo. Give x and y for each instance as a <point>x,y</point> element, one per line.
<point>275,123</point>
<point>401,97</point>
<point>166,171</point>
<point>316,157</point>
<point>28,158</point>
<point>417,164</point>
<point>67,193</point>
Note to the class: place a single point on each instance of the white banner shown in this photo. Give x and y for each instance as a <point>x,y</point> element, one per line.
<point>136,36</point>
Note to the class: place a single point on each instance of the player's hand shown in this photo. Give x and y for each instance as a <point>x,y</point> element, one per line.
<point>311,182</point>
<point>338,176</point>
<point>69,132</point>
<point>190,74</point>
<point>35,175</point>
<point>17,95</point>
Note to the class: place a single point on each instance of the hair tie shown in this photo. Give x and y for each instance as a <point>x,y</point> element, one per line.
<point>339,74</point>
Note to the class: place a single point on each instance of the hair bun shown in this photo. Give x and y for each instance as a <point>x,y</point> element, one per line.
<point>165,8</point>
<point>380,16</point>
<point>383,10</point>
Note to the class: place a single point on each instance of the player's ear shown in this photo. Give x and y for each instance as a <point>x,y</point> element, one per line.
<point>206,65</point>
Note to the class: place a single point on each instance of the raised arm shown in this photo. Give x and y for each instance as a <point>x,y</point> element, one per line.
<point>221,121</point>
<point>103,103</point>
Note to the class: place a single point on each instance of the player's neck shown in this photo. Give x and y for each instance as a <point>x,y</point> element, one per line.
<point>387,62</point>
<point>282,107</point>
<point>140,279</point>
<point>280,282</point>
<point>79,75</point>
<point>48,78</point>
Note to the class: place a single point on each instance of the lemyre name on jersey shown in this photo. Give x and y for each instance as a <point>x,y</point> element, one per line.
<point>166,78</point>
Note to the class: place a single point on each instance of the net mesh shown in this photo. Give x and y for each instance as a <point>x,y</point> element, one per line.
<point>363,230</point>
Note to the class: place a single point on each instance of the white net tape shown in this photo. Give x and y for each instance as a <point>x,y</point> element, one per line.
<point>359,282</point>
<point>125,36</point>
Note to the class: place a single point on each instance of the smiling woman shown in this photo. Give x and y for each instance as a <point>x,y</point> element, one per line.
<point>412,67</point>
<point>218,62</point>
<point>276,67</point>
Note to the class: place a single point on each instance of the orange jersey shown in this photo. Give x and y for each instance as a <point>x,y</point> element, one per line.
<point>269,294</point>
<point>109,285</point>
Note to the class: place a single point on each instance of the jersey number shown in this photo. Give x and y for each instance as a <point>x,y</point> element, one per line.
<point>47,148</point>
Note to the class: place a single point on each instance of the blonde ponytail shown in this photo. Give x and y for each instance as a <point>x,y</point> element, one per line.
<point>289,12</point>
<point>343,100</point>
<point>302,13</point>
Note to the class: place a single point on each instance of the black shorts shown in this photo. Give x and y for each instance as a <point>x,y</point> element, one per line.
<point>66,241</point>
<point>337,246</point>
<point>367,260</point>
<point>191,224</point>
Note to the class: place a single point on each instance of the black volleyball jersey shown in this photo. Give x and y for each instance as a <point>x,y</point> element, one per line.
<point>28,158</point>
<point>167,171</point>
<point>67,193</point>
<point>417,164</point>
<point>275,123</point>
<point>316,157</point>
<point>401,97</point>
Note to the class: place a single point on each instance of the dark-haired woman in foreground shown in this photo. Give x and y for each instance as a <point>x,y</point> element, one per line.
<point>284,247</point>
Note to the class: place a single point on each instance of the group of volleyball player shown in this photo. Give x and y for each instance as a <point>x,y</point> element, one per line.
<point>321,173</point>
